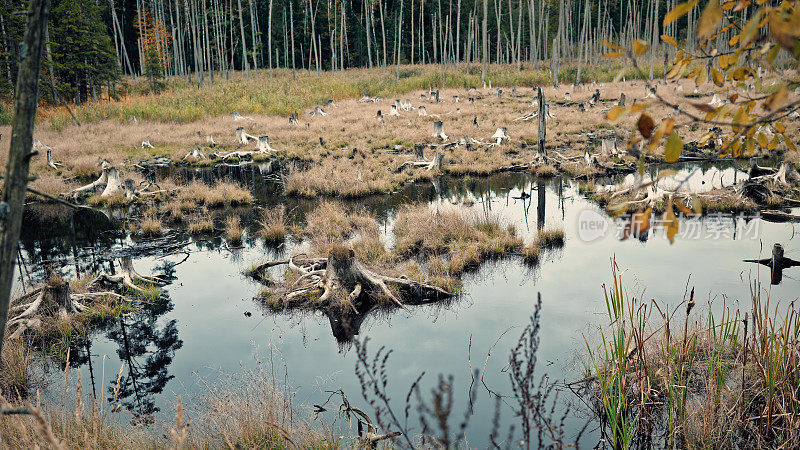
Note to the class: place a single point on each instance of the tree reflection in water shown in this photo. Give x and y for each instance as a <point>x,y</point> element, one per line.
<point>147,349</point>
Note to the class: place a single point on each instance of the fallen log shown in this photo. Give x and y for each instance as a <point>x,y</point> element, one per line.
<point>436,163</point>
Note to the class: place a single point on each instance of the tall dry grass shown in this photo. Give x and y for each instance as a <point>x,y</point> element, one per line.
<point>248,410</point>
<point>686,378</point>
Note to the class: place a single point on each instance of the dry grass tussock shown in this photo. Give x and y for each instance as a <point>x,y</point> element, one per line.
<point>273,224</point>
<point>201,225</point>
<point>150,225</point>
<point>233,229</point>
<point>220,194</point>
<point>431,246</point>
<point>693,377</point>
<point>247,411</point>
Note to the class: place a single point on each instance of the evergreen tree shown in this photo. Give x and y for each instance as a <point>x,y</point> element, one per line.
<point>83,56</point>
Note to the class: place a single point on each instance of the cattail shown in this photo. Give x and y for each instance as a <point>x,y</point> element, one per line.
<point>690,305</point>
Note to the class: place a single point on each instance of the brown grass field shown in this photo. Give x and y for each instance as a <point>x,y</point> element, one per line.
<point>360,154</point>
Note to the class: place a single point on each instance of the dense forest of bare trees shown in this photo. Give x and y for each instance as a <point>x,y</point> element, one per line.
<point>203,40</point>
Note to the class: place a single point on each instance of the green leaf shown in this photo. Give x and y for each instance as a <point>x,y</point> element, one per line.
<point>673,147</point>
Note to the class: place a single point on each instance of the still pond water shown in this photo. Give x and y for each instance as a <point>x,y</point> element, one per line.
<point>210,325</point>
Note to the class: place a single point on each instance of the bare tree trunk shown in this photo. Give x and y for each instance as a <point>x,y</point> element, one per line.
<point>399,39</point>
<point>458,33</point>
<point>19,153</point>
<point>245,63</point>
<point>291,23</point>
<point>269,39</point>
<point>412,31</point>
<point>383,32</point>
<point>582,43</point>
<point>485,77</point>
<point>253,33</point>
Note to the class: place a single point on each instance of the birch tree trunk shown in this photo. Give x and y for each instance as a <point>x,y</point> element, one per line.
<point>485,77</point>
<point>244,43</point>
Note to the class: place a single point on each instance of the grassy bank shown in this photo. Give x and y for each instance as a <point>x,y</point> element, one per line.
<point>183,101</point>
<point>690,377</point>
<point>246,410</point>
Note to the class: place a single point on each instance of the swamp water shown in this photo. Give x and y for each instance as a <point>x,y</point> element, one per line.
<point>209,325</point>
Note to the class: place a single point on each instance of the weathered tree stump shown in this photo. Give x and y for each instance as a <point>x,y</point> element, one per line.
<point>438,130</point>
<point>114,184</point>
<point>777,263</point>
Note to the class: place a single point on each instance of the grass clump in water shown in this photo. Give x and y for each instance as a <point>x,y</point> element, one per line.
<point>233,230</point>
<point>200,225</point>
<point>273,224</point>
<point>150,225</point>
<point>216,196</point>
<point>711,379</point>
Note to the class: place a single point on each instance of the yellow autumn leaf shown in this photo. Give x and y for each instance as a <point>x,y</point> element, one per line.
<point>762,140</point>
<point>669,40</point>
<point>670,222</point>
<point>673,147</point>
<point>616,112</point>
<point>777,99</point>
<point>717,77</point>
<point>709,20</point>
<point>789,143</point>
<point>697,206</point>
<point>679,11</point>
<point>639,47</point>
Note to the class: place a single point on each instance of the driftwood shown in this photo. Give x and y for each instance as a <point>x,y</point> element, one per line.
<point>436,163</point>
<point>195,155</point>
<point>318,112</point>
<point>779,216</point>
